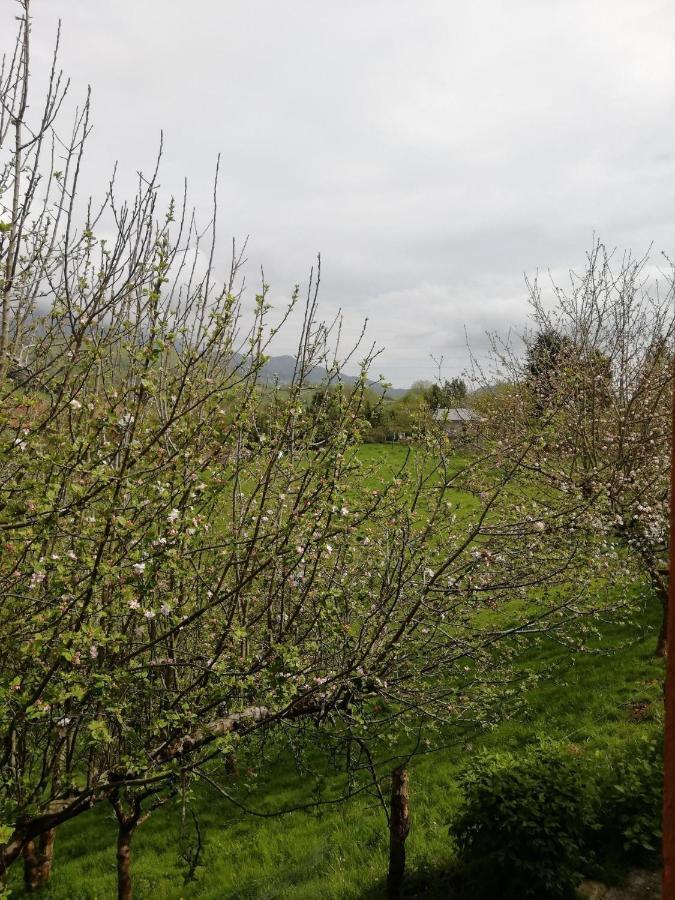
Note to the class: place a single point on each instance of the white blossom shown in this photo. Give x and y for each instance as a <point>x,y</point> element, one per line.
<point>37,578</point>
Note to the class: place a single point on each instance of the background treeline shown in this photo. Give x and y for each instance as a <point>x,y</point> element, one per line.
<point>387,419</point>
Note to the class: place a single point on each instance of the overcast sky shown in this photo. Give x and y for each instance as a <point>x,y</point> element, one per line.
<point>433,151</point>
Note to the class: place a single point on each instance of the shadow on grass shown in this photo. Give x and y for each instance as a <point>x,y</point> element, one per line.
<point>421,884</point>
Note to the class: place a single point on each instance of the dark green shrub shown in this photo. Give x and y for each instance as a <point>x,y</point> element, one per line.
<point>534,824</point>
<point>525,825</point>
<point>630,804</point>
<point>376,435</point>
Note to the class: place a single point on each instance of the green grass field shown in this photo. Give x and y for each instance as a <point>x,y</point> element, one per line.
<point>588,701</point>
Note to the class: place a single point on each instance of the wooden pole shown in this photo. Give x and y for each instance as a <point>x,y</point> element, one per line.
<point>399,826</point>
<point>669,737</point>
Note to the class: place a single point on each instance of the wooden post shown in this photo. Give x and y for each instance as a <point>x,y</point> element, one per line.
<point>669,738</point>
<point>399,826</point>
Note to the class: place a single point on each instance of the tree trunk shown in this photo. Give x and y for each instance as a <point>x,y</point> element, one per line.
<point>663,631</point>
<point>57,813</point>
<point>659,578</point>
<point>38,855</point>
<point>9,853</point>
<point>127,823</point>
<point>31,878</point>
<point>47,854</point>
<point>661,587</point>
<point>124,835</point>
<point>399,826</point>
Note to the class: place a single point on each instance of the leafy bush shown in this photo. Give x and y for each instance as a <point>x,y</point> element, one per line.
<point>630,811</point>
<point>525,825</point>
<point>534,824</point>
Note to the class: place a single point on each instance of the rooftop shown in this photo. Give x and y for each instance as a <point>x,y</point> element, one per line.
<point>455,414</point>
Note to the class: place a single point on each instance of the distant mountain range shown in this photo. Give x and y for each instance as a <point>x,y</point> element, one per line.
<point>281,368</point>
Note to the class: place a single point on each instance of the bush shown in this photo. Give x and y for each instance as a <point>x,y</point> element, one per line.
<point>630,811</point>
<point>535,824</point>
<point>377,435</point>
<point>525,825</point>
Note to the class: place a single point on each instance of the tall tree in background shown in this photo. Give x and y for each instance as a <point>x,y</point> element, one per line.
<point>448,395</point>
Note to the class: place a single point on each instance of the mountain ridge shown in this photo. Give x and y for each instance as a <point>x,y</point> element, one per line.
<point>281,369</point>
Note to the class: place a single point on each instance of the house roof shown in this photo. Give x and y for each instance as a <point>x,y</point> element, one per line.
<point>455,414</point>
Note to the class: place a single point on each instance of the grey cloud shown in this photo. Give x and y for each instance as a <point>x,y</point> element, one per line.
<point>432,151</point>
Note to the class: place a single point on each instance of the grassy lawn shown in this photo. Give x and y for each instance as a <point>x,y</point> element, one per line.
<point>382,462</point>
<point>588,701</point>
<point>386,460</point>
